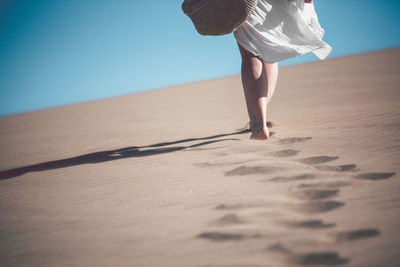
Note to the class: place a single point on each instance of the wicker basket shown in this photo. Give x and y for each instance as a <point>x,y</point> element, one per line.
<point>218,17</point>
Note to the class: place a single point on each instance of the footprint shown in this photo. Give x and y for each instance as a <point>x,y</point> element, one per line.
<point>220,236</point>
<point>376,175</point>
<point>340,168</point>
<point>304,176</point>
<point>317,160</point>
<point>315,224</point>
<point>323,258</point>
<point>228,219</point>
<point>285,153</point>
<point>330,184</point>
<point>292,140</point>
<point>318,207</point>
<point>245,170</point>
<point>357,234</point>
<point>317,194</point>
<point>310,224</point>
<point>318,258</point>
<point>217,236</point>
<point>271,124</point>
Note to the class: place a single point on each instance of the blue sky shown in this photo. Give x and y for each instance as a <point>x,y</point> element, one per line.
<point>59,52</point>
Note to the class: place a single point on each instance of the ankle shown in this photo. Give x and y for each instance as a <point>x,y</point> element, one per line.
<point>257,126</point>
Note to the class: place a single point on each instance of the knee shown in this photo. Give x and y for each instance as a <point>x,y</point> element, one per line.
<point>253,66</point>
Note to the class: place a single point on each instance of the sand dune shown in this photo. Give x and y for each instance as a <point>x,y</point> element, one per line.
<point>170,178</point>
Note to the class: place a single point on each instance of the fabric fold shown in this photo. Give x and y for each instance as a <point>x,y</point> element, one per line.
<point>281,29</point>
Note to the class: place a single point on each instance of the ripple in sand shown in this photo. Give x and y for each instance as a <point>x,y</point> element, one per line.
<point>317,160</point>
<point>285,153</point>
<point>358,234</point>
<point>292,140</point>
<point>218,164</point>
<point>220,236</point>
<point>376,175</point>
<point>309,185</point>
<point>233,206</point>
<point>229,219</point>
<point>338,184</point>
<point>246,170</point>
<point>340,168</point>
<point>304,176</point>
<point>235,265</point>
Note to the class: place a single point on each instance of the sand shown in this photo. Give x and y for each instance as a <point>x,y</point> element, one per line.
<point>170,178</point>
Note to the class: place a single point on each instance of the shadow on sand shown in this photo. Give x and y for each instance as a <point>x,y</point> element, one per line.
<point>122,153</point>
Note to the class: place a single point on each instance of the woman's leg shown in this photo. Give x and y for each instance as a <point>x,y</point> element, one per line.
<point>272,74</point>
<point>259,81</point>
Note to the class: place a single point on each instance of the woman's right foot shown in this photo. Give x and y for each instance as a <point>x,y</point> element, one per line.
<point>261,134</point>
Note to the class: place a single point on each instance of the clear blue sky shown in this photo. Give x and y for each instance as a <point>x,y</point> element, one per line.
<point>58,52</point>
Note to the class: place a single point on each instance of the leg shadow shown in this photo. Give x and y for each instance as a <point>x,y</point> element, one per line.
<point>122,153</point>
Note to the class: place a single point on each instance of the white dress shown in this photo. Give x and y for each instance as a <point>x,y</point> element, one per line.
<point>281,29</point>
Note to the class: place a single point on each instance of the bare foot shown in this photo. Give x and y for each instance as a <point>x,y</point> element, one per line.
<point>261,134</point>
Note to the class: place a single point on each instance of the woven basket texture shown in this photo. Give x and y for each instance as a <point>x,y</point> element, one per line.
<point>218,17</point>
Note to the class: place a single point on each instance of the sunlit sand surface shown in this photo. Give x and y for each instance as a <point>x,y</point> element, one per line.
<point>170,177</point>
